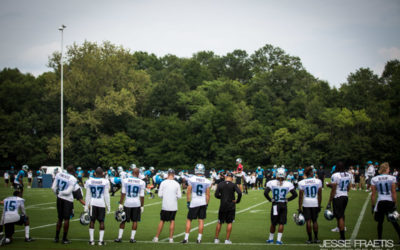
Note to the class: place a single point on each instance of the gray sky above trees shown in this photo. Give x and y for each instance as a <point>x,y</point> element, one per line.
<point>332,38</point>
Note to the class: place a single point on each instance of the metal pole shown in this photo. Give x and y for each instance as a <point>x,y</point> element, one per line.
<point>62,98</point>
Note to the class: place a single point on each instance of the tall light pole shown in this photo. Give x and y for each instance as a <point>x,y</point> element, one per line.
<point>62,97</point>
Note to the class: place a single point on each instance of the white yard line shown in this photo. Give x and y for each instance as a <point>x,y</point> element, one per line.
<point>40,204</point>
<point>53,224</point>
<point>360,218</point>
<point>215,221</point>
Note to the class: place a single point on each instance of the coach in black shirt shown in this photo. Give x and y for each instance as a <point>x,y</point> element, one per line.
<point>226,193</point>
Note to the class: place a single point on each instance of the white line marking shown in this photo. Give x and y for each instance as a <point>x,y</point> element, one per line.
<point>215,221</point>
<point>360,218</point>
<point>40,204</point>
<point>53,224</point>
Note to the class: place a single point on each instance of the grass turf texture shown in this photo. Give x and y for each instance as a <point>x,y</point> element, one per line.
<point>250,229</point>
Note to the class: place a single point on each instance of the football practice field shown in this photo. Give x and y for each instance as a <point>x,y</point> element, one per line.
<point>250,229</point>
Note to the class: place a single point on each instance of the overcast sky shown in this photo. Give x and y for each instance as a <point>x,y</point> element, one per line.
<point>332,38</point>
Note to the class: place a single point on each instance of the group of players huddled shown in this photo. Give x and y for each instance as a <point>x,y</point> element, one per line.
<point>280,188</point>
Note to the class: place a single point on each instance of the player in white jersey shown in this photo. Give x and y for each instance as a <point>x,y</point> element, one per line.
<point>63,186</point>
<point>340,185</point>
<point>310,196</point>
<point>279,188</point>
<point>133,193</point>
<point>198,196</point>
<point>385,185</point>
<point>14,214</point>
<point>170,192</point>
<point>6,178</point>
<point>369,175</point>
<point>98,198</point>
<point>122,173</point>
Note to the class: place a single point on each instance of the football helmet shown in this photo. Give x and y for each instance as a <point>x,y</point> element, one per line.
<point>151,168</point>
<point>79,168</point>
<point>120,169</point>
<point>25,167</point>
<point>299,219</point>
<point>132,166</point>
<point>238,160</point>
<point>259,168</point>
<point>84,219</point>
<point>328,214</point>
<point>280,173</point>
<point>120,216</point>
<point>199,168</point>
<point>393,216</point>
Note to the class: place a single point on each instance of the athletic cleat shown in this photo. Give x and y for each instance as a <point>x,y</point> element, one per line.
<point>317,241</point>
<point>336,229</point>
<point>309,242</point>
<point>171,240</point>
<point>132,241</point>
<point>216,241</point>
<point>228,242</point>
<point>56,240</point>
<point>66,241</point>
<point>184,241</point>
<point>270,241</point>
<point>91,243</point>
<point>101,243</point>
<point>279,242</point>
<point>118,240</point>
<point>29,239</point>
<point>198,241</point>
<point>155,239</point>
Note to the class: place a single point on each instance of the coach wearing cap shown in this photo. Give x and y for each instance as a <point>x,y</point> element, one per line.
<point>226,193</point>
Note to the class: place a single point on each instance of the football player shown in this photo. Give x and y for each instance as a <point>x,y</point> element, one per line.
<point>63,186</point>
<point>310,196</point>
<point>385,185</point>
<point>30,178</point>
<point>79,174</point>
<point>133,190</point>
<point>170,192</point>
<point>98,198</point>
<point>14,214</point>
<point>369,175</point>
<point>300,173</point>
<point>239,174</point>
<point>19,180</point>
<point>198,196</point>
<point>227,209</point>
<point>279,188</point>
<point>6,178</point>
<point>341,181</point>
<point>260,177</point>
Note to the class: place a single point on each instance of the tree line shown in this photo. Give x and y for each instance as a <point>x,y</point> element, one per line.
<point>124,107</point>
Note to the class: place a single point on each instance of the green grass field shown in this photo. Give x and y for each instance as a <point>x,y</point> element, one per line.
<point>250,229</point>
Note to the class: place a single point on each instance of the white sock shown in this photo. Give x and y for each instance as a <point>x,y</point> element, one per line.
<point>101,235</point>
<point>91,234</point>
<point>27,232</point>
<point>199,237</point>
<point>271,236</point>
<point>186,236</point>
<point>120,232</point>
<point>133,234</point>
<point>279,238</point>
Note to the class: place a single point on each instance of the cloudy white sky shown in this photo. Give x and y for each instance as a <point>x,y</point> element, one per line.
<point>332,38</point>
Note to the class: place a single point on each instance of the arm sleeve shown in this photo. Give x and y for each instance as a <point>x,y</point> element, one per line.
<point>294,195</point>
<point>88,198</point>
<point>266,194</point>
<point>107,196</point>
<point>179,194</point>
<point>239,194</point>
<point>22,207</point>
<point>218,192</point>
<point>54,186</point>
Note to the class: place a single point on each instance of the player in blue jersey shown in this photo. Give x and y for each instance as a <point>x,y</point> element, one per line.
<point>79,175</point>
<point>91,173</point>
<point>19,179</point>
<point>300,173</point>
<point>115,184</point>
<point>260,177</point>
